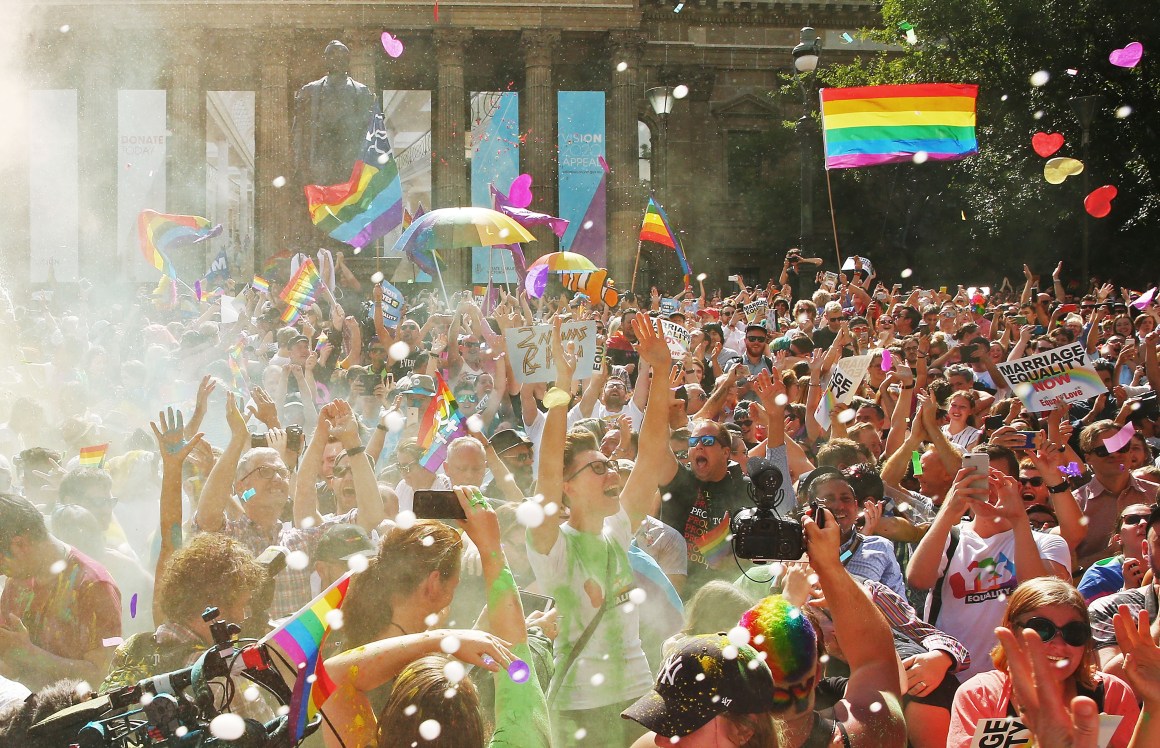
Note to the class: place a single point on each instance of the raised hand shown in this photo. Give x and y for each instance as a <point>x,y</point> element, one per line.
<point>263,408</point>
<point>565,363</point>
<point>651,343</point>
<point>342,423</point>
<point>235,420</point>
<point>169,430</point>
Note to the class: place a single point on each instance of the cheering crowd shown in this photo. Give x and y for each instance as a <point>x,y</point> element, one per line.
<point>819,511</point>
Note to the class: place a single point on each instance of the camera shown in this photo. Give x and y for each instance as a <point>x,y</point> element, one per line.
<point>294,439</point>
<point>760,534</point>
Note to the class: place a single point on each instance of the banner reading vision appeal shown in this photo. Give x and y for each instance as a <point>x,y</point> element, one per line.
<point>1061,375</point>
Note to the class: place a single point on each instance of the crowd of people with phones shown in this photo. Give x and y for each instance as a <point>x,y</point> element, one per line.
<point>815,511</point>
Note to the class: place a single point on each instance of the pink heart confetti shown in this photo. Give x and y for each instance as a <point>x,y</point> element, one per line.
<point>391,45</point>
<point>1145,299</point>
<point>1121,439</point>
<point>887,360</point>
<point>520,194</point>
<point>1128,57</point>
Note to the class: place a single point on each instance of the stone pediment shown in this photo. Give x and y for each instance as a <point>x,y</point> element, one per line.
<point>747,106</point>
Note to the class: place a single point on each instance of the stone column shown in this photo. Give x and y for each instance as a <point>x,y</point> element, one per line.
<point>276,208</point>
<point>625,207</point>
<point>362,59</point>
<point>101,257</point>
<point>448,160</point>
<point>186,145</point>
<point>540,121</point>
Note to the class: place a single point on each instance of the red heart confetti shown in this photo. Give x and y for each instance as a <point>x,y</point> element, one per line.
<point>1046,144</point>
<point>1099,202</point>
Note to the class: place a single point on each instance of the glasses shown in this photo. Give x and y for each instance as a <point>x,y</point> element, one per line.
<point>378,349</point>
<point>598,467</point>
<point>683,454</point>
<point>471,345</point>
<point>835,319</point>
<point>402,467</point>
<point>466,398</point>
<point>1102,451</point>
<point>744,424</point>
<point>521,457</point>
<point>1131,520</point>
<point>705,441</point>
<point>340,471</point>
<point>1076,633</point>
<point>267,472</point>
<point>755,338</point>
<point>692,371</point>
<point>1037,481</point>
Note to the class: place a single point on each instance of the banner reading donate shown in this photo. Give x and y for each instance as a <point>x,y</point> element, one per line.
<point>1061,375</point>
<point>582,172</point>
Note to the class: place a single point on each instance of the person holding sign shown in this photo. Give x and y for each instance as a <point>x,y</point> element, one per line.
<point>1057,614</point>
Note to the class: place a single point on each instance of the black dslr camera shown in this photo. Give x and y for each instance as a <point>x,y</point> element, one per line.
<point>295,438</point>
<point>760,534</point>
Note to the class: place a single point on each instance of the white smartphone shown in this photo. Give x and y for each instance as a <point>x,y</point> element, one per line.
<point>980,463</point>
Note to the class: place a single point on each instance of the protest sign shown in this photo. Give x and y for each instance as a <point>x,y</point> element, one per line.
<point>668,306</point>
<point>392,305</point>
<point>844,381</point>
<point>755,311</point>
<point>1009,732</point>
<point>677,338</point>
<point>849,264</point>
<point>230,311</point>
<point>830,280</point>
<point>1060,375</point>
<point>530,349</point>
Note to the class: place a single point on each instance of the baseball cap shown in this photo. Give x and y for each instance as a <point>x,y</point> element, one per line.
<point>700,681</point>
<point>416,384</point>
<point>342,541</point>
<point>756,326</point>
<point>506,439</point>
<point>297,339</point>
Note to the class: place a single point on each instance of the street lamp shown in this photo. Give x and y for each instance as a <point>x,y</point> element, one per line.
<point>805,62</point>
<point>662,99</point>
<point>1085,111</point>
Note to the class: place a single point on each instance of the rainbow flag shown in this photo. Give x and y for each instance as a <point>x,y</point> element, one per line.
<point>656,229</point>
<point>93,456</point>
<point>260,284</point>
<point>370,203</point>
<point>300,290</point>
<point>298,641</point>
<point>714,545</point>
<point>442,422</point>
<point>161,233</point>
<point>891,124</point>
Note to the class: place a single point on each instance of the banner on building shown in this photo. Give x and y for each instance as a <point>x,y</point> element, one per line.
<point>583,173</point>
<point>53,186</point>
<point>495,159</point>
<point>141,148</point>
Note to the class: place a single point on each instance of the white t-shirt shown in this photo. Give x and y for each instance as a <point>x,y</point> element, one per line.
<point>635,414</point>
<point>406,492</point>
<point>965,439</point>
<point>612,667</point>
<point>976,585</point>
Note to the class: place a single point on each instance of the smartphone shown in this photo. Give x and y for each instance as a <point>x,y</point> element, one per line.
<point>968,351</point>
<point>1020,320</point>
<point>1028,439</point>
<point>942,289</point>
<point>817,511</point>
<point>979,462</point>
<point>993,422</point>
<point>1068,308</point>
<point>438,505</point>
<point>531,601</point>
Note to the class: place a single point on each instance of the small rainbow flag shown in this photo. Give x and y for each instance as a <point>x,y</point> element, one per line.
<point>300,290</point>
<point>261,284</point>
<point>891,124</point>
<point>93,456</point>
<point>442,422</point>
<point>369,204</point>
<point>298,642</point>
<point>161,233</point>
<point>656,229</point>
<point>714,545</point>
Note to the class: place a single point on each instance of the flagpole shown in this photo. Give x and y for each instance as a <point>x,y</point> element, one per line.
<point>635,267</point>
<point>833,218</point>
<point>439,275</point>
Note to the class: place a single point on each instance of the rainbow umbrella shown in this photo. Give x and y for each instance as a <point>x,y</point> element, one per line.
<point>448,228</point>
<point>555,262</point>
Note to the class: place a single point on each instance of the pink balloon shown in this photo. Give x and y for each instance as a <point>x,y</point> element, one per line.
<point>1128,57</point>
<point>520,194</point>
<point>391,45</point>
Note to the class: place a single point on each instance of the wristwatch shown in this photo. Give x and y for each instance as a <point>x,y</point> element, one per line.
<point>1061,487</point>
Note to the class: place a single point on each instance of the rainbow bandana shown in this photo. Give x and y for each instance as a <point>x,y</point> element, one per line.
<point>790,644</point>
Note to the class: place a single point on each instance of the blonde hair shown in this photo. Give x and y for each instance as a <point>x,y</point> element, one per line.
<point>1039,593</point>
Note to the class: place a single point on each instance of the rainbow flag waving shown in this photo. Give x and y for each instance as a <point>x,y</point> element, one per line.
<point>890,124</point>
<point>300,290</point>
<point>656,229</point>
<point>442,422</point>
<point>298,642</point>
<point>161,233</point>
<point>370,203</point>
<point>93,456</point>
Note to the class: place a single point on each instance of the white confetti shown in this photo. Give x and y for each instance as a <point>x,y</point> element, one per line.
<point>621,67</point>
<point>920,157</point>
<point>824,659</point>
<point>1038,114</point>
<point>357,563</point>
<point>475,423</point>
<point>551,508</point>
<point>146,699</point>
<point>847,415</point>
<point>729,653</point>
<point>429,729</point>
<point>503,233</point>
<point>906,272</point>
<point>297,560</point>
<point>227,727</point>
<point>699,677</point>
<point>450,693</point>
<point>587,225</point>
<point>181,731</point>
<point>530,514</point>
<point>1062,664</point>
<point>307,523</point>
<point>405,519</point>
<point>582,733</point>
<point>780,400</point>
<point>627,608</point>
<point>1040,78</point>
<point>384,158</point>
<point>637,596</point>
<point>377,277</point>
<point>251,693</point>
<point>1003,97</point>
<point>1123,112</point>
<point>334,619</point>
<point>812,579</point>
<point>754,664</point>
<point>64,29</point>
<point>428,541</point>
<point>454,671</point>
<point>57,567</point>
<point>597,679</point>
<point>738,636</point>
<point>395,421</point>
<point>876,707</point>
<point>1084,521</point>
<point>701,276</point>
<point>279,182</point>
<point>399,350</point>
<point>666,497</point>
<point>432,620</point>
<point>759,640</point>
<point>410,710</point>
<point>681,91</point>
<point>450,644</point>
<point>283,710</point>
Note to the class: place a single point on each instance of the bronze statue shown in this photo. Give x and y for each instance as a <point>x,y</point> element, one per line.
<point>330,121</point>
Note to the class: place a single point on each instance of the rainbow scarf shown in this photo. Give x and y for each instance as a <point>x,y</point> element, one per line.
<point>161,233</point>
<point>93,456</point>
<point>714,546</point>
<point>656,229</point>
<point>442,422</point>
<point>299,292</point>
<point>368,205</point>
<point>299,643</point>
<point>873,125</point>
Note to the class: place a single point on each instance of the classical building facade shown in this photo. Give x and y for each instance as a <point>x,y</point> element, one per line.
<point>97,70</point>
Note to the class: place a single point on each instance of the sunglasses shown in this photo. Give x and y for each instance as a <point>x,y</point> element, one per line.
<point>1102,451</point>
<point>1037,481</point>
<point>471,345</point>
<point>340,471</point>
<point>835,319</point>
<point>706,441</point>
<point>683,454</point>
<point>1130,520</point>
<point>598,468</point>
<point>744,424</point>
<point>1076,633</point>
<point>755,338</point>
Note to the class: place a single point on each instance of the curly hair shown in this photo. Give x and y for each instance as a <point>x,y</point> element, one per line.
<point>211,570</point>
<point>405,558</point>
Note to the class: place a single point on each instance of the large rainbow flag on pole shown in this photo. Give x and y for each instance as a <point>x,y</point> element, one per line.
<point>442,422</point>
<point>656,229</point>
<point>890,124</point>
<point>161,233</point>
<point>370,203</point>
<point>299,643</point>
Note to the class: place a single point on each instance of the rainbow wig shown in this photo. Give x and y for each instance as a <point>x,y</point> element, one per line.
<point>786,636</point>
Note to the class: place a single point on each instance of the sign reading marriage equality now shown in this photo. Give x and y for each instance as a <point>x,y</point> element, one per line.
<point>1061,375</point>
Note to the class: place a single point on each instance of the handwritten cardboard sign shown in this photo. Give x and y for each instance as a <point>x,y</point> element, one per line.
<point>530,350</point>
<point>755,311</point>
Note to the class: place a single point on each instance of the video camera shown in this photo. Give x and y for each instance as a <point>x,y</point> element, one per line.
<point>176,708</point>
<point>760,534</point>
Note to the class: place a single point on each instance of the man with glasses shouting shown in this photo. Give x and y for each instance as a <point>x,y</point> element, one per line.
<point>247,490</point>
<point>1112,489</point>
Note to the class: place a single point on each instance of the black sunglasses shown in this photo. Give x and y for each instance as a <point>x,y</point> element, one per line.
<point>1130,520</point>
<point>1102,451</point>
<point>1076,633</point>
<point>755,338</point>
<point>1036,481</point>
